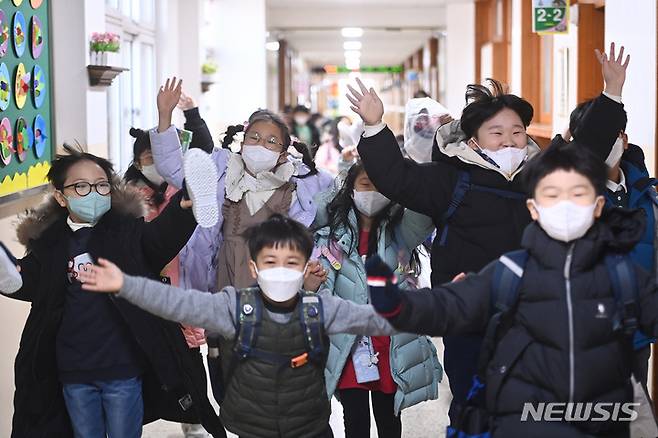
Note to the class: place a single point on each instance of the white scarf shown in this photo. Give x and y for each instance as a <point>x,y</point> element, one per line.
<point>255,190</point>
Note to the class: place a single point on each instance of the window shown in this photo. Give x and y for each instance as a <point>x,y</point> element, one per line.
<point>546,80</point>
<point>131,99</point>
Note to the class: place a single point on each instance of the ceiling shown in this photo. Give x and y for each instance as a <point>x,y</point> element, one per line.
<point>393,30</point>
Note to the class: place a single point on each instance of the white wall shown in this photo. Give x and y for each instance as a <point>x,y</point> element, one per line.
<point>460,53</point>
<point>515,72</point>
<point>635,28</point>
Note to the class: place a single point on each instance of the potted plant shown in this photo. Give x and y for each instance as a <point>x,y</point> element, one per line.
<point>208,75</point>
<point>102,46</point>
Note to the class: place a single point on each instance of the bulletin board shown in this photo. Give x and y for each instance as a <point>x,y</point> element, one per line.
<point>25,95</point>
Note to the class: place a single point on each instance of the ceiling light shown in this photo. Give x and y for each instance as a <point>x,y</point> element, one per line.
<point>352,54</point>
<point>272,46</point>
<point>352,45</point>
<point>352,32</point>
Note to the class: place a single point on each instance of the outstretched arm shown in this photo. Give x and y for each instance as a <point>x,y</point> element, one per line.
<point>401,180</point>
<point>201,137</point>
<point>165,144</point>
<point>194,308</point>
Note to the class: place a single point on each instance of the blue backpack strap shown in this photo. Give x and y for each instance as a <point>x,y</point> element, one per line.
<point>248,314</point>
<point>312,320</point>
<point>462,187</point>
<point>507,279</point>
<point>621,272</point>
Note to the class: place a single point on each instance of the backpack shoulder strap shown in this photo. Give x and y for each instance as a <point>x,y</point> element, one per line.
<point>462,186</point>
<point>621,272</point>
<point>248,314</point>
<point>507,279</point>
<point>311,318</point>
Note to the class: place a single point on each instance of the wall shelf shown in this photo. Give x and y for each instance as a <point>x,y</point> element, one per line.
<point>103,75</point>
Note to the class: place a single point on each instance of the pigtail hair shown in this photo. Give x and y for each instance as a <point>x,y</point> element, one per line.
<point>229,137</point>
<point>306,158</point>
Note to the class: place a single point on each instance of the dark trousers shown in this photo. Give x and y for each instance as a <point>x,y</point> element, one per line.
<point>460,360</point>
<point>641,365</point>
<point>356,413</point>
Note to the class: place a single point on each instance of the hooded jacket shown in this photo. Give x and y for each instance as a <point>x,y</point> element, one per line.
<point>562,344</point>
<point>138,248</point>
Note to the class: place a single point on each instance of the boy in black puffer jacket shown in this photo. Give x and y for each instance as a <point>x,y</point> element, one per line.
<point>562,341</point>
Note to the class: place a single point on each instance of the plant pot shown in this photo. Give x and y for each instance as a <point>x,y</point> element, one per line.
<point>207,80</point>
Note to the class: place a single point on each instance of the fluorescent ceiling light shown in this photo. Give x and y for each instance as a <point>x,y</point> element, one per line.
<point>352,54</point>
<point>352,32</point>
<point>352,45</point>
<point>272,46</point>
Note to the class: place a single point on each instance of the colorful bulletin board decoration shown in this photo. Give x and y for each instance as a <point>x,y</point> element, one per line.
<point>20,28</point>
<point>4,33</point>
<point>38,86</point>
<point>22,85</point>
<point>6,141</point>
<point>24,138</point>
<point>40,135</point>
<point>37,37</point>
<point>5,87</point>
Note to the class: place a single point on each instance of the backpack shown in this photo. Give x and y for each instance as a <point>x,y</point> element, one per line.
<point>462,187</point>
<point>248,314</point>
<point>474,421</point>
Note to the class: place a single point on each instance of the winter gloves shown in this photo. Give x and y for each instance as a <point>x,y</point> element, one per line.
<point>384,292</point>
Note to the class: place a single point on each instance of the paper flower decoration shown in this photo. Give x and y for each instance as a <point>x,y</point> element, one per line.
<point>40,135</point>
<point>5,87</point>
<point>37,37</point>
<point>19,33</point>
<point>38,86</point>
<point>6,141</point>
<point>22,85</point>
<point>4,33</point>
<point>24,138</point>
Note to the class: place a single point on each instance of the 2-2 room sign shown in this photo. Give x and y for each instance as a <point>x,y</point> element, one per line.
<point>550,16</point>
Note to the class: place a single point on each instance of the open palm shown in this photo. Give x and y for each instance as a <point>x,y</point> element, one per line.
<point>366,103</point>
<point>169,95</point>
<point>613,68</point>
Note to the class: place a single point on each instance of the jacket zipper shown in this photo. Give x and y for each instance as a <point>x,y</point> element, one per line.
<point>567,281</point>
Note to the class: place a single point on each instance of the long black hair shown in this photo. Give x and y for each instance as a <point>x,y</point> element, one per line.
<point>133,174</point>
<point>342,205</point>
<point>482,103</point>
<point>268,116</point>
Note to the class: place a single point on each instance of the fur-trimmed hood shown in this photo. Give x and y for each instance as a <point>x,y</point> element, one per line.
<point>126,200</point>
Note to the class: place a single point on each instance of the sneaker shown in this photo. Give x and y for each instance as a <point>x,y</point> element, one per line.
<point>10,279</point>
<point>201,184</point>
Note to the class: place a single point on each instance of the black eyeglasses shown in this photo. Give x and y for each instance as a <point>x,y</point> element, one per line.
<point>103,188</point>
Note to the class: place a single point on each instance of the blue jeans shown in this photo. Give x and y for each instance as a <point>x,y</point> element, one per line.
<point>106,407</point>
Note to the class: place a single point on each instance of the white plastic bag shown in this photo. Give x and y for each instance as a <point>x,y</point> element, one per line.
<point>422,119</point>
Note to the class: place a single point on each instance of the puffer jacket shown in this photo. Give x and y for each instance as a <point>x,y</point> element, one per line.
<point>415,367</point>
<point>198,260</point>
<point>564,342</point>
<point>138,248</point>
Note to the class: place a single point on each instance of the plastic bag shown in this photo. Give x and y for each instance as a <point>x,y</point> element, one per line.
<point>422,119</point>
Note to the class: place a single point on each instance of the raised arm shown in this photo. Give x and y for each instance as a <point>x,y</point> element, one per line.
<point>424,188</point>
<point>190,307</point>
<point>165,144</point>
<point>201,137</point>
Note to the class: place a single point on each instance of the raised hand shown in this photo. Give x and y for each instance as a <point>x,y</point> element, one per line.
<point>366,103</point>
<point>315,275</point>
<point>613,69</point>
<point>186,102</point>
<point>349,154</point>
<point>168,97</point>
<point>104,277</point>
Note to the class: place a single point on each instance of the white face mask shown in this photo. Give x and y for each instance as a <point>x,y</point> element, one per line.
<point>151,174</point>
<point>259,159</point>
<point>280,284</point>
<point>615,153</point>
<point>370,203</point>
<point>301,120</point>
<point>566,220</point>
<point>508,158</point>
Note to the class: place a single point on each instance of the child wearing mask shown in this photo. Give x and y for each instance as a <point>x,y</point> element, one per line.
<point>566,335</point>
<point>304,129</point>
<point>395,372</point>
<point>156,193</point>
<point>90,365</point>
<point>273,335</point>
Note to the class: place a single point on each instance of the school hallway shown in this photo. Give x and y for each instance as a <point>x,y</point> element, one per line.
<point>426,420</point>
